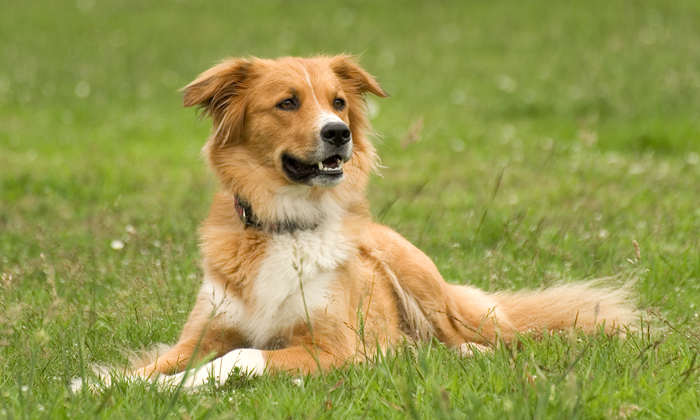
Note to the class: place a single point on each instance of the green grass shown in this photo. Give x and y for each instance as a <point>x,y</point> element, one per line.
<point>589,110</point>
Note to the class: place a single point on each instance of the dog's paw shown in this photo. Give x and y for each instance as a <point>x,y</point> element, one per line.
<point>100,379</point>
<point>243,361</point>
<point>77,384</point>
<point>470,349</point>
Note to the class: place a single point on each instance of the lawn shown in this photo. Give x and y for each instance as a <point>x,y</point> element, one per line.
<point>524,143</point>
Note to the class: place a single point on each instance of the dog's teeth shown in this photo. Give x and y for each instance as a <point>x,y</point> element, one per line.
<point>320,166</point>
<point>340,164</point>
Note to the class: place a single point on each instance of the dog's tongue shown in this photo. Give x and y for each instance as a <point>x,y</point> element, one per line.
<point>331,162</point>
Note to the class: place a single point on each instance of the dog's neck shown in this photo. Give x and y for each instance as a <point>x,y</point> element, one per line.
<point>250,220</point>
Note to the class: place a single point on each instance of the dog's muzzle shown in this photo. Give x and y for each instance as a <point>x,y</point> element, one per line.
<point>325,167</point>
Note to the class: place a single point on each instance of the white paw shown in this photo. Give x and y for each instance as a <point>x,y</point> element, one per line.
<point>248,361</point>
<point>103,378</point>
<point>469,349</point>
<point>77,384</point>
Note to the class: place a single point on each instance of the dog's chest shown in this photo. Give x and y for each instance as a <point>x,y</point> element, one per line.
<point>296,276</point>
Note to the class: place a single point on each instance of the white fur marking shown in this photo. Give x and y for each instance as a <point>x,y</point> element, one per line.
<point>297,203</point>
<point>304,258</point>
<point>229,308</point>
<point>313,93</point>
<point>328,117</point>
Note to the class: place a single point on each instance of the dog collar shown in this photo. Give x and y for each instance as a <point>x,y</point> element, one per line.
<point>245,213</point>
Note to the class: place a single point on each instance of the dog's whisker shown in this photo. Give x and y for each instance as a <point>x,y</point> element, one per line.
<point>267,160</point>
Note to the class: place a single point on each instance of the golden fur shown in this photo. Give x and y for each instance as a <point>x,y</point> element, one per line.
<point>366,286</point>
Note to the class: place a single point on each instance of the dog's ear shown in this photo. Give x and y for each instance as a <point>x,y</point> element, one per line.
<point>218,91</point>
<point>346,68</point>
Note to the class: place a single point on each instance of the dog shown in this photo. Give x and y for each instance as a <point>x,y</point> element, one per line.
<point>297,276</point>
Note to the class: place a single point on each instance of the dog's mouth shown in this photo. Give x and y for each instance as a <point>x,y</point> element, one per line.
<point>326,172</point>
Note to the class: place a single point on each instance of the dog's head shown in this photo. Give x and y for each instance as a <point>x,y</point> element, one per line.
<point>290,121</point>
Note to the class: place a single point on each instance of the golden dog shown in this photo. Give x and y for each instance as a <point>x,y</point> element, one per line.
<point>297,277</point>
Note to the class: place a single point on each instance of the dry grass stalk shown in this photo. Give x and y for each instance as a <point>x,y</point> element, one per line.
<point>414,133</point>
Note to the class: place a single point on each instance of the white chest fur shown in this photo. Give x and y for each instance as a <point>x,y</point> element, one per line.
<point>296,276</point>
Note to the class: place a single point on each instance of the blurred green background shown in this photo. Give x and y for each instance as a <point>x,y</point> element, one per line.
<point>523,143</point>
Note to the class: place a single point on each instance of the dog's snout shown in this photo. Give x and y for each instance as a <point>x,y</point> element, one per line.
<point>336,133</point>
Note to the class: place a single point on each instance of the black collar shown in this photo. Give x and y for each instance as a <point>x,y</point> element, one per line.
<point>245,213</point>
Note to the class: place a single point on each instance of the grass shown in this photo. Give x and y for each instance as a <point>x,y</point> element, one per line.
<point>554,134</point>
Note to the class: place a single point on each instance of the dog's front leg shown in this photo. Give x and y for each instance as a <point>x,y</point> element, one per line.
<point>206,333</point>
<point>297,359</point>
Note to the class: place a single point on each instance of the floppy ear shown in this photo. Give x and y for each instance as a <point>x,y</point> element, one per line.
<point>347,69</point>
<point>218,91</point>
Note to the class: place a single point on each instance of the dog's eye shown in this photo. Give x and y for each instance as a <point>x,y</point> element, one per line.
<point>339,104</point>
<point>289,104</point>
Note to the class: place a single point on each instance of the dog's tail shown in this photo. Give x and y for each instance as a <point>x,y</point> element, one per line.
<point>584,305</point>
<point>577,305</point>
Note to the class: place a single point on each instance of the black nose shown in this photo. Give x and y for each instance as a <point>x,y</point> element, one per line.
<point>336,133</point>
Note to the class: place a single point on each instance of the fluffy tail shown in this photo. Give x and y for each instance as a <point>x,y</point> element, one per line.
<point>577,305</point>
